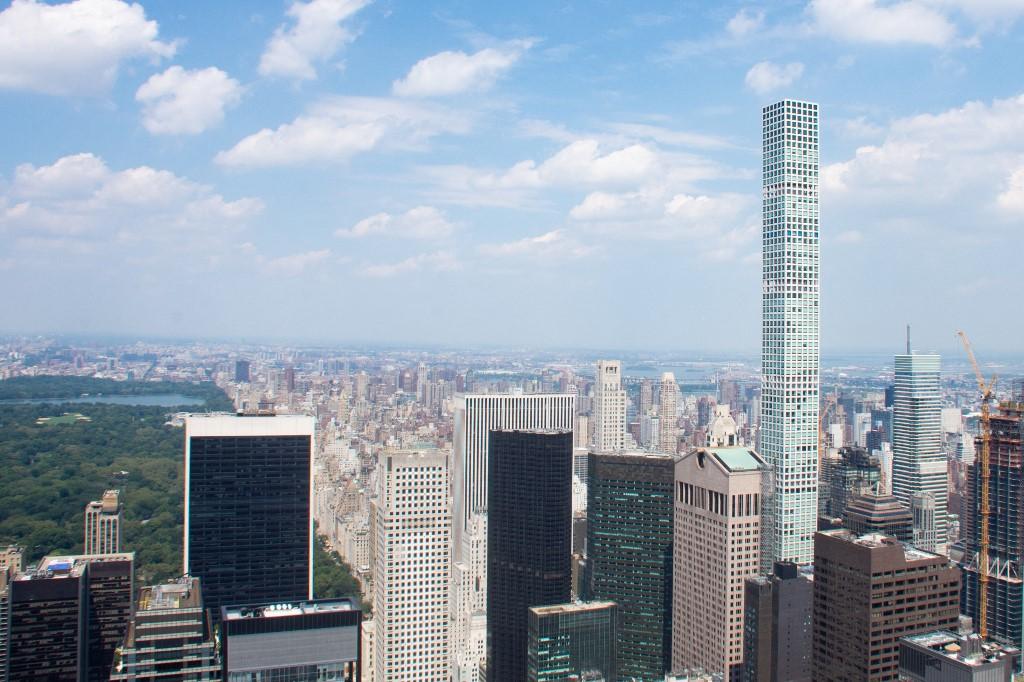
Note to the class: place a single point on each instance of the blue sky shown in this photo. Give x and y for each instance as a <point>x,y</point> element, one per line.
<point>533,173</point>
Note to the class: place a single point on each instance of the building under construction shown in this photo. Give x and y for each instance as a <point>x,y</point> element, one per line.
<point>1005,593</point>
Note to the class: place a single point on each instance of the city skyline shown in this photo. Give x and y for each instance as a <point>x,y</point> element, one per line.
<point>376,166</point>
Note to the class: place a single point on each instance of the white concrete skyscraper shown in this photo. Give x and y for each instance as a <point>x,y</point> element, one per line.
<point>475,417</point>
<point>411,567</point>
<point>609,407</point>
<point>668,399</point>
<point>789,325</point>
<point>918,461</point>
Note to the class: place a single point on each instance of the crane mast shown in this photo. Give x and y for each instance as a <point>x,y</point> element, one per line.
<point>983,464</point>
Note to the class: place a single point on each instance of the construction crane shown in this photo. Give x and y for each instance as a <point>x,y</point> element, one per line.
<point>983,465</point>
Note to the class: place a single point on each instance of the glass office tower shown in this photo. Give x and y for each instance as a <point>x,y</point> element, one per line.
<point>629,554</point>
<point>248,491</point>
<point>529,526</point>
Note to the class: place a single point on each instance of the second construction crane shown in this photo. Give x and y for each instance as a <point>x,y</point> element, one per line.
<point>983,465</point>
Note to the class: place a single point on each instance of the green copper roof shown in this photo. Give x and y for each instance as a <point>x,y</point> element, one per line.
<point>737,459</point>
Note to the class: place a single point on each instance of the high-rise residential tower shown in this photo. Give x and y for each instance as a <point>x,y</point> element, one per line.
<point>248,502</point>
<point>645,402</point>
<point>668,400</point>
<point>790,359</point>
<point>918,461</point>
<point>529,547</point>
<point>609,407</point>
<point>103,524</point>
<point>412,565</point>
<point>629,554</point>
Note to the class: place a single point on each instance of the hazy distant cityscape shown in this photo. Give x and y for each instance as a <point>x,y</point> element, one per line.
<point>369,341</point>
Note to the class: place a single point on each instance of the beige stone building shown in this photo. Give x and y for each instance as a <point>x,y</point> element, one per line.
<point>718,501</point>
<point>103,524</point>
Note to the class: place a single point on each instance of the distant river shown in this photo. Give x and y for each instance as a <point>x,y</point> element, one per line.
<point>157,399</point>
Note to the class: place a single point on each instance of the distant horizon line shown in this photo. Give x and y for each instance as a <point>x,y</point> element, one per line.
<point>370,345</point>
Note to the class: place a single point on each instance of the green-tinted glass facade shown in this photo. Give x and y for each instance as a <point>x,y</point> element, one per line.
<point>570,642</point>
<point>629,554</point>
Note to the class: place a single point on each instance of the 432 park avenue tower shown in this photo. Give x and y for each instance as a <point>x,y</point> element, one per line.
<point>789,326</point>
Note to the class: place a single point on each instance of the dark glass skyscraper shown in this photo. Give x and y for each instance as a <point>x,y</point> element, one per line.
<point>1005,612</point>
<point>242,371</point>
<point>629,554</point>
<point>68,616</point>
<point>851,472</point>
<point>569,642</point>
<point>529,523</point>
<point>248,529</point>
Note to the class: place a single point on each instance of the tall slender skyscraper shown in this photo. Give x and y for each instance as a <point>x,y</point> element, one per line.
<point>411,567</point>
<point>609,407</point>
<point>789,324</point>
<point>248,494</point>
<point>918,461</point>
<point>668,399</point>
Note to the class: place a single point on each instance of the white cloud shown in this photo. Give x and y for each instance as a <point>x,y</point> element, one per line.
<point>670,137</point>
<point>627,159</point>
<point>337,129</point>
<point>449,73</point>
<point>81,201</point>
<point>579,163</point>
<point>1012,200</point>
<point>317,32</point>
<point>872,21</point>
<point>70,177</point>
<point>296,263</point>
<point>764,77</point>
<point>75,47</point>
<point>600,206</point>
<point>935,171</point>
<point>422,222</point>
<point>850,237</point>
<point>745,22</point>
<point>716,226</point>
<point>179,101</point>
<point>439,261</point>
<point>556,244</point>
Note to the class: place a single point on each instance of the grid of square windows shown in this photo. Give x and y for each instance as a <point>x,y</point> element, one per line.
<point>790,321</point>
